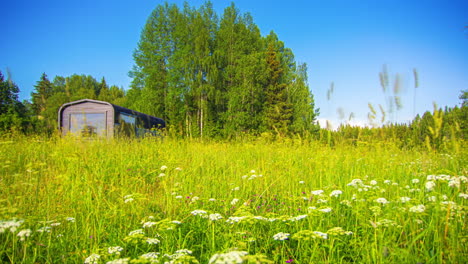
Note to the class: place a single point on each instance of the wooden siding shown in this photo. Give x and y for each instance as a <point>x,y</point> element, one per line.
<point>88,107</point>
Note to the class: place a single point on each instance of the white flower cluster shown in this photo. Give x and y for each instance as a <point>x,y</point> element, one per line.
<point>24,233</point>
<point>119,261</point>
<point>114,250</point>
<point>201,213</point>
<point>281,236</point>
<point>215,217</point>
<point>336,193</point>
<point>381,200</point>
<point>92,259</point>
<point>232,257</point>
<point>11,225</point>
<point>417,209</point>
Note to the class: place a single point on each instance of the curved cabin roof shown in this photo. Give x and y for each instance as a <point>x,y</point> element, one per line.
<point>150,121</point>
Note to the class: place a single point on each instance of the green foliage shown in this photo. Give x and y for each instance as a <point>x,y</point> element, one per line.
<point>210,77</point>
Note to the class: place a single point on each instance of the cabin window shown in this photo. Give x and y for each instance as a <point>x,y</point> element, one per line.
<point>127,124</point>
<point>88,124</point>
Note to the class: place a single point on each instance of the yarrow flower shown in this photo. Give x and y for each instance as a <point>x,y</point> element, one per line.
<point>119,261</point>
<point>417,209</point>
<point>381,200</point>
<point>234,201</point>
<point>92,259</point>
<point>281,236</point>
<point>233,257</point>
<point>24,233</point>
<point>201,213</point>
<point>463,195</point>
<point>114,250</point>
<point>152,241</point>
<point>163,167</point>
<point>215,217</point>
<point>373,182</point>
<point>415,181</point>
<point>336,193</point>
<point>405,199</point>
<point>317,192</point>
<point>70,219</point>
<point>430,185</point>
<point>11,225</point>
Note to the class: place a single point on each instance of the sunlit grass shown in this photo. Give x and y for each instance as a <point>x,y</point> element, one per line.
<point>152,201</point>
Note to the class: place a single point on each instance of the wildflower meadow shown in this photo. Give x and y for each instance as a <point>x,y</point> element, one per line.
<point>184,201</point>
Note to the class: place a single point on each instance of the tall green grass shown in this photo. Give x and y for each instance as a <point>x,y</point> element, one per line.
<point>261,202</point>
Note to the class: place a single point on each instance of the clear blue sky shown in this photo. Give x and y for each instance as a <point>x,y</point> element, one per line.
<point>345,42</point>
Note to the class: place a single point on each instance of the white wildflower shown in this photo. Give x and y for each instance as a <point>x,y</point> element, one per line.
<point>317,192</point>
<point>201,213</point>
<point>432,198</point>
<point>43,229</point>
<point>381,200</point>
<point>212,200</point>
<point>322,201</point>
<point>336,193</point>
<point>325,210</point>
<point>321,234</point>
<point>119,261</point>
<point>233,257</point>
<point>24,233</point>
<point>215,217</point>
<point>373,182</point>
<point>163,167</point>
<point>235,188</point>
<point>178,169</point>
<point>234,201</point>
<point>11,225</point>
<point>178,197</point>
<point>70,219</point>
<point>405,199</point>
<point>162,174</point>
<point>297,218</point>
<point>55,224</point>
<point>417,209</point>
<point>150,255</point>
<point>195,198</point>
<point>281,236</point>
<point>148,224</point>
<point>301,182</point>
<point>430,185</point>
<point>415,181</point>
<point>234,219</point>
<point>92,259</point>
<point>136,232</point>
<point>388,182</point>
<point>355,182</point>
<point>252,171</point>
<point>114,250</point>
<point>129,200</point>
<point>454,182</point>
<point>152,241</point>
<point>463,195</point>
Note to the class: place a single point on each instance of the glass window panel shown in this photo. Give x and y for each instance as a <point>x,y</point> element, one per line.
<point>88,124</point>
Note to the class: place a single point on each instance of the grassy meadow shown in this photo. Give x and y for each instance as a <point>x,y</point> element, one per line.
<point>181,201</point>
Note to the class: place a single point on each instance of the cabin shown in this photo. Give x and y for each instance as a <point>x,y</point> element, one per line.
<point>93,118</point>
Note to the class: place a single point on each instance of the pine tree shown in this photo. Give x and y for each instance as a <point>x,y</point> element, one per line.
<point>43,90</point>
<point>278,111</point>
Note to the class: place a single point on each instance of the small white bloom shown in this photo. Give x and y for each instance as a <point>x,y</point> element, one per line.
<point>215,217</point>
<point>176,222</point>
<point>70,219</point>
<point>388,182</point>
<point>381,200</point>
<point>336,193</point>
<point>195,198</point>
<point>178,197</point>
<point>234,201</point>
<point>150,255</point>
<point>178,169</point>
<point>317,192</point>
<point>325,210</point>
<point>136,232</point>
<point>373,182</point>
<point>322,235</point>
<point>301,182</point>
<point>152,241</point>
<point>405,199</point>
<point>114,250</point>
<point>415,181</point>
<point>212,200</point>
<point>148,224</point>
<point>235,188</point>
<point>129,200</point>
<point>322,201</point>
<point>119,261</point>
<point>417,209</point>
<point>92,259</point>
<point>55,224</point>
<point>24,233</point>
<point>463,195</point>
<point>281,236</point>
<point>430,185</point>
<point>162,174</point>
<point>252,171</point>
<point>199,212</point>
<point>163,167</point>
<point>432,198</point>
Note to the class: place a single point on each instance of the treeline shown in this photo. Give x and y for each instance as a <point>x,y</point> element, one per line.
<point>442,129</point>
<point>210,76</point>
